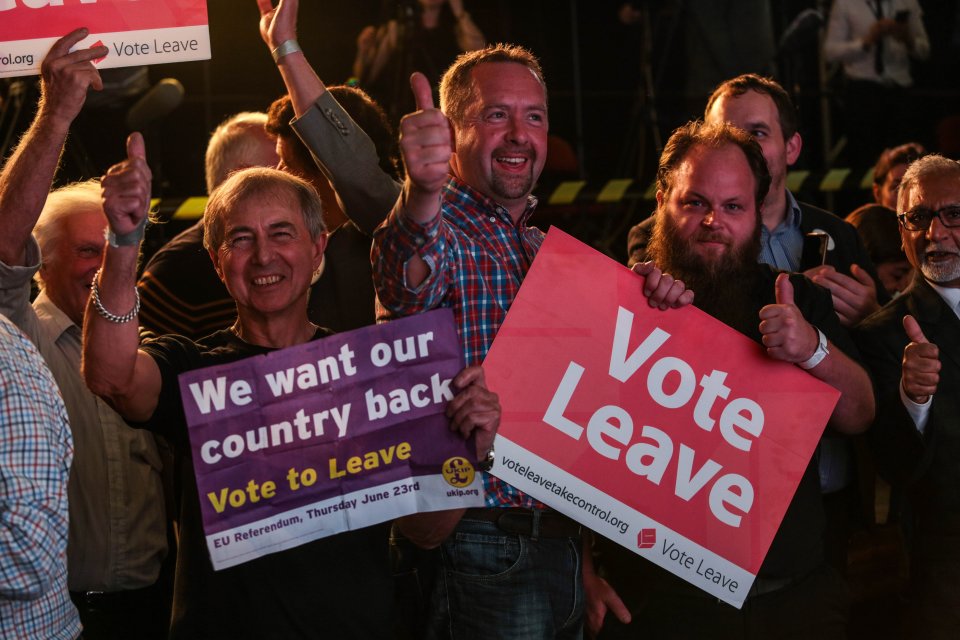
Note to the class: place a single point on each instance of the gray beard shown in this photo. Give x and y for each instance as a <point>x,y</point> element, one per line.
<point>939,273</point>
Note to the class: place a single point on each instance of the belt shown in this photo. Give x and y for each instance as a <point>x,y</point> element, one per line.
<point>534,523</point>
<point>114,599</point>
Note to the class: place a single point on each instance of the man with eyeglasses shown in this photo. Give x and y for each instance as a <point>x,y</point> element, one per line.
<point>913,347</point>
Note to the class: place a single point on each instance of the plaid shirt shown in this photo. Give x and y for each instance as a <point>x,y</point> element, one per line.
<point>36,449</point>
<point>478,258</point>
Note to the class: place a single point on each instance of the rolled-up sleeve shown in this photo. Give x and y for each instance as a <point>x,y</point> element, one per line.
<point>395,243</point>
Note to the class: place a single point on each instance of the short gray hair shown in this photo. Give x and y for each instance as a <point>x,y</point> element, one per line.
<point>231,145</point>
<point>928,166</point>
<point>260,182</point>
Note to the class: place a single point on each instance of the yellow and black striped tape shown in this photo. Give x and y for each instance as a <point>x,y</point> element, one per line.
<point>583,192</point>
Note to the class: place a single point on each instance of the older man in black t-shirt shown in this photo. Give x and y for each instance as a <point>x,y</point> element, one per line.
<point>264,231</point>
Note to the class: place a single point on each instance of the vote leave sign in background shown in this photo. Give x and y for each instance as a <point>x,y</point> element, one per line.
<point>666,431</point>
<point>328,436</point>
<point>137,32</point>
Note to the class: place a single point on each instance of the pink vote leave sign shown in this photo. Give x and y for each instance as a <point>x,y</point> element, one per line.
<point>665,431</point>
<point>136,32</point>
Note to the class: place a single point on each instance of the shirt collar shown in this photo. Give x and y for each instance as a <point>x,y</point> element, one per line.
<point>794,213</point>
<point>56,320</point>
<point>490,204</point>
<point>950,295</point>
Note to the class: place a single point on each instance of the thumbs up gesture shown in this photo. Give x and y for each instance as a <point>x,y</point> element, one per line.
<point>126,189</point>
<point>426,148</point>
<point>921,364</point>
<point>785,333</point>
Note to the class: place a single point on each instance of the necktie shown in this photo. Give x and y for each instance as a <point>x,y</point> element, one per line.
<point>878,48</point>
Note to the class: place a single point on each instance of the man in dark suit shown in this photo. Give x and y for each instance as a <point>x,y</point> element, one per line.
<point>913,348</point>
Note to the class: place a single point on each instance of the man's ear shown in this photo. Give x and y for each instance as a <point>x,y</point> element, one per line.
<point>319,246</point>
<point>215,258</point>
<point>660,197</point>
<point>793,147</point>
<point>876,192</point>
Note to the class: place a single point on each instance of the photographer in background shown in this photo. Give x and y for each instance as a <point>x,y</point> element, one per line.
<point>874,41</point>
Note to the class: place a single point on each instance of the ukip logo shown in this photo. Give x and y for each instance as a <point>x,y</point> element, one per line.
<point>458,472</point>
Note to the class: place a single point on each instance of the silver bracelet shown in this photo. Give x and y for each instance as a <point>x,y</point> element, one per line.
<point>106,315</point>
<point>286,48</point>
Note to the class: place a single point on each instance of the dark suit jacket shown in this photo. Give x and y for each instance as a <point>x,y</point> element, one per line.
<point>926,466</point>
<point>847,248</point>
<point>929,464</point>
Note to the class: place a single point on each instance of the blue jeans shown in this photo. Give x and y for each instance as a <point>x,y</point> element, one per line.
<point>494,584</point>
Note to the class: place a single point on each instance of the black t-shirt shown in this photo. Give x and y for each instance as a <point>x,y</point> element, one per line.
<point>336,587</point>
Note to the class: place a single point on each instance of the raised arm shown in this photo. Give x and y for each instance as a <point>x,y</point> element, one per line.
<point>26,177</point>
<point>113,367</point>
<point>426,149</point>
<point>278,26</point>
<point>788,336</point>
<point>343,151</point>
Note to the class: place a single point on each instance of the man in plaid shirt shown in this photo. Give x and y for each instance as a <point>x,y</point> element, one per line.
<point>36,449</point>
<point>458,237</point>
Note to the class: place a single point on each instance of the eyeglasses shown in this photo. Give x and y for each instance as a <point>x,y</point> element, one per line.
<point>920,218</point>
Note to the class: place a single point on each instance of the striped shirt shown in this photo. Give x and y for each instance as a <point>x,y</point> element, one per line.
<point>36,450</point>
<point>478,258</point>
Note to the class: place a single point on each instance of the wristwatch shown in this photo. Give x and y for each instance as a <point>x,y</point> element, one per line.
<point>487,463</point>
<point>818,355</point>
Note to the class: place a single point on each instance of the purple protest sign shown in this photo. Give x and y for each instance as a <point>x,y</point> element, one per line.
<point>328,436</point>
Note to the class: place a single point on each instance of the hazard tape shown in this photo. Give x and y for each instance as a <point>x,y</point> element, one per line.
<point>574,192</point>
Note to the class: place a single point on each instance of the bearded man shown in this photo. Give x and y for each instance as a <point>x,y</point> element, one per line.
<point>711,182</point>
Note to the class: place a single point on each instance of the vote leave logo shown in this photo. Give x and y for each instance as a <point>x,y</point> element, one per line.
<point>98,43</point>
<point>646,538</point>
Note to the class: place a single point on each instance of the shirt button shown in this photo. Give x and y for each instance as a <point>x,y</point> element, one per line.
<point>493,219</point>
<point>419,241</point>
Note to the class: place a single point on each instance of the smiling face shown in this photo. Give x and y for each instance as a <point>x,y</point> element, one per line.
<point>501,145</point>
<point>936,251</point>
<point>711,204</point>
<point>267,257</point>
<point>68,269</point>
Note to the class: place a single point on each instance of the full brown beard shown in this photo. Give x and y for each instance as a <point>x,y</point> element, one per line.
<point>723,287</point>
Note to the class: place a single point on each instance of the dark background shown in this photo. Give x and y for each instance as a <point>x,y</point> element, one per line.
<point>593,69</point>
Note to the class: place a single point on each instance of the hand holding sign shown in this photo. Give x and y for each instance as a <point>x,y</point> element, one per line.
<point>661,289</point>
<point>67,76</point>
<point>921,364</point>
<point>126,189</point>
<point>786,334</point>
<point>475,409</point>
<point>426,148</point>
